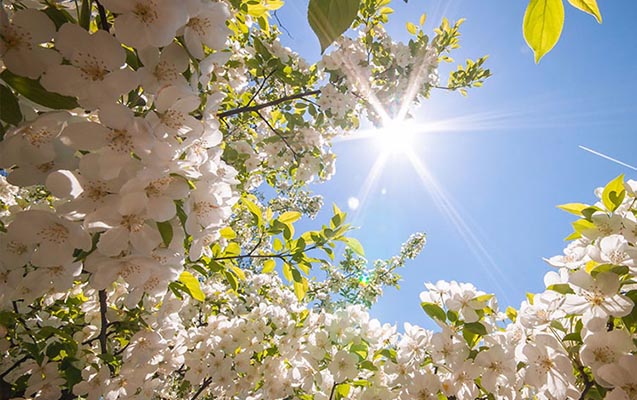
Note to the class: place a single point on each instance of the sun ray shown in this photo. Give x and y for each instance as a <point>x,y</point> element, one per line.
<point>446,206</point>
<point>368,185</point>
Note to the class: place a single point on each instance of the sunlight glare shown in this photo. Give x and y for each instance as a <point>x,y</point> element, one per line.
<point>396,136</point>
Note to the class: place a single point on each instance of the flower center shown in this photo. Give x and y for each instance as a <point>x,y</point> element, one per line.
<point>145,13</point>
<point>133,223</point>
<point>199,25</point>
<point>54,233</point>
<point>120,141</point>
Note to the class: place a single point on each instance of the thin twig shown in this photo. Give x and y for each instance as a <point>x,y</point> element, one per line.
<point>279,134</point>
<point>103,20</point>
<point>203,387</point>
<point>11,368</point>
<point>272,103</point>
<point>104,320</point>
<point>260,87</point>
<point>332,391</point>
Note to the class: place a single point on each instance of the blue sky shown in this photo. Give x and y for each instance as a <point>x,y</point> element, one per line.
<point>512,156</point>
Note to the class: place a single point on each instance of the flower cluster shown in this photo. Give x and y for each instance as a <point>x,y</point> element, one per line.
<point>136,261</point>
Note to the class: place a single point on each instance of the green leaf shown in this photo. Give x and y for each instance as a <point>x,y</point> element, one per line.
<point>268,266</point>
<point>475,327</point>
<point>562,288</point>
<point>289,217</point>
<point>329,19</point>
<point>589,7</point>
<point>434,311</point>
<point>360,350</point>
<point>573,208</point>
<point>575,337</point>
<point>232,280</point>
<point>542,26</point>
<point>32,90</point>
<point>58,16</point>
<point>342,391</point>
<point>85,14</point>
<point>193,286</point>
<point>614,193</point>
<point>9,107</point>
<point>166,232</point>
<point>355,245</point>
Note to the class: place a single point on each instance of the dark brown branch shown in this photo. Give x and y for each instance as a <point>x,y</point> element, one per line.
<point>104,25</point>
<point>203,387</point>
<point>332,391</point>
<point>272,103</point>
<point>11,368</point>
<point>104,320</point>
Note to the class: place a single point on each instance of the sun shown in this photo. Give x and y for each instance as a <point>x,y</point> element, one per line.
<point>396,137</point>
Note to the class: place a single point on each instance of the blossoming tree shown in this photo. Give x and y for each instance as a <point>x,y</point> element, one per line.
<point>139,258</point>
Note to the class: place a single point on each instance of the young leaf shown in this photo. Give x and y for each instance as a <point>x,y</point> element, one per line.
<point>589,7</point>
<point>614,193</point>
<point>9,107</point>
<point>329,19</point>
<point>411,28</point>
<point>192,284</point>
<point>289,217</point>
<point>268,266</point>
<point>254,210</point>
<point>542,26</point>
<point>573,208</point>
<point>355,245</point>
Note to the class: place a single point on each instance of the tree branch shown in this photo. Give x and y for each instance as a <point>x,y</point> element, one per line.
<point>104,320</point>
<point>279,134</point>
<point>272,103</point>
<point>203,387</point>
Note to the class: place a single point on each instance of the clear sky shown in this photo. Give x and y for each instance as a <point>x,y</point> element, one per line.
<point>507,156</point>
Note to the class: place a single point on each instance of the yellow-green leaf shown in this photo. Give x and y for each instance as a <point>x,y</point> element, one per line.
<point>542,26</point>
<point>287,271</point>
<point>300,288</point>
<point>228,233</point>
<point>289,217</point>
<point>589,7</point>
<point>239,272</point>
<point>573,208</point>
<point>193,285</point>
<point>277,245</point>
<point>614,193</point>
<point>355,245</point>
<point>268,266</point>
<point>423,18</point>
<point>254,210</point>
<point>411,28</point>
<point>232,249</point>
